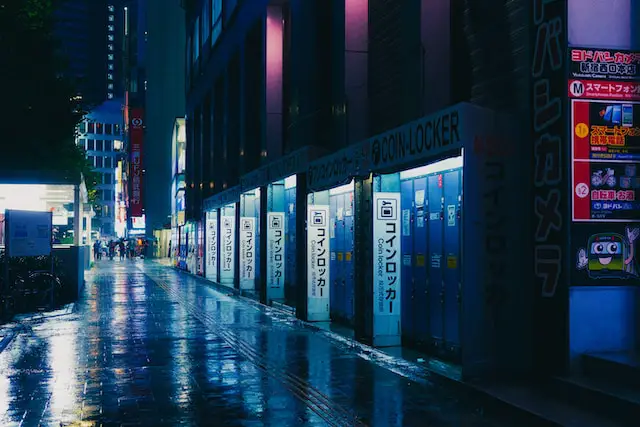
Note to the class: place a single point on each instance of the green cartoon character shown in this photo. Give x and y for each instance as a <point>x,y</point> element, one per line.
<point>610,255</point>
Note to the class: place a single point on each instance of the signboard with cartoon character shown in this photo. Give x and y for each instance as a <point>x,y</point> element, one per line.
<point>607,257</point>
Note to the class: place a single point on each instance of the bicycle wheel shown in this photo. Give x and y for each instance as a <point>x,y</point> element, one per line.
<point>45,286</point>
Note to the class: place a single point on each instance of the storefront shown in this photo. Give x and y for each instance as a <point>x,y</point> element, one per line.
<point>391,251</point>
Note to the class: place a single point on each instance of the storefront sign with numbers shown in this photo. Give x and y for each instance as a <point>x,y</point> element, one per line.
<point>386,254</point>
<point>247,252</point>
<point>211,251</point>
<point>227,238</point>
<point>275,251</point>
<point>318,250</point>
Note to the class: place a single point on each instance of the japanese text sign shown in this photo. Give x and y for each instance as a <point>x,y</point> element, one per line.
<point>211,251</point>
<point>387,254</point>
<point>318,250</point>
<point>227,250</point>
<point>136,135</point>
<point>275,251</point>
<point>247,252</point>
<point>602,89</point>
<point>604,64</point>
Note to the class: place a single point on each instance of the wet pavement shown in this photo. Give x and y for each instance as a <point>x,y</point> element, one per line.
<point>151,346</point>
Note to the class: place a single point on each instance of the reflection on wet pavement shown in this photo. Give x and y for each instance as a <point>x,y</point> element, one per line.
<point>150,346</point>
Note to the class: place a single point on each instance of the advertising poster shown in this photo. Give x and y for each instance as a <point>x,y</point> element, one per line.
<point>318,250</point>
<point>605,254</point>
<point>211,251</point>
<point>227,249</point>
<point>247,252</point>
<point>602,89</point>
<point>200,249</point>
<point>604,64</point>
<point>606,191</point>
<point>386,254</point>
<point>136,136</point>
<point>275,254</point>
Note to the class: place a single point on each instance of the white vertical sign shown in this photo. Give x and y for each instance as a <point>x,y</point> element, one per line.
<point>275,255</point>
<point>211,250</point>
<point>247,252</point>
<point>318,274</point>
<point>227,250</point>
<point>386,255</point>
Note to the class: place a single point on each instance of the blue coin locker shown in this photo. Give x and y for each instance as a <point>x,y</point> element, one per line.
<point>349,297</point>
<point>409,306</point>
<point>450,265</point>
<point>435,222</point>
<point>342,299</point>
<point>290,246</point>
<point>256,210</point>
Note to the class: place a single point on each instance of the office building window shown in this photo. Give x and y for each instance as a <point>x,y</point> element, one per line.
<point>92,161</point>
<point>108,128</point>
<point>108,145</point>
<point>99,145</point>
<point>116,129</point>
<point>111,8</point>
<point>82,127</point>
<point>107,178</point>
<point>110,57</point>
<point>99,128</point>
<point>110,76</point>
<point>110,47</point>
<point>110,86</point>
<point>110,67</point>
<point>216,20</point>
<point>110,37</point>
<point>91,145</point>
<point>108,162</point>
<point>111,28</point>
<point>91,128</point>
<point>109,95</point>
<point>111,18</point>
<point>99,162</point>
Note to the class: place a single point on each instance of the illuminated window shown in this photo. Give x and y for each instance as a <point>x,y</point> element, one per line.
<point>111,18</point>
<point>91,144</point>
<point>91,128</point>
<point>110,76</point>
<point>110,57</point>
<point>110,67</point>
<point>111,8</point>
<point>111,28</point>
<point>216,20</point>
<point>110,37</point>
<point>108,130</point>
<point>109,95</point>
<point>110,86</point>
<point>110,46</point>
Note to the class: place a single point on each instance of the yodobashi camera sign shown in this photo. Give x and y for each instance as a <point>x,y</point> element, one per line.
<point>386,264</point>
<point>247,252</point>
<point>318,274</point>
<point>275,255</point>
<point>211,252</point>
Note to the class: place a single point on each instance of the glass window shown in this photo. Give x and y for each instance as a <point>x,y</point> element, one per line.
<point>99,145</point>
<point>111,18</point>
<point>110,86</point>
<point>196,40</point>
<point>109,76</point>
<point>82,143</point>
<point>110,37</point>
<point>99,128</point>
<point>111,8</point>
<point>216,20</point>
<point>83,127</point>
<point>99,162</point>
<point>111,28</point>
<point>110,57</point>
<point>107,178</point>
<point>116,129</point>
<point>110,67</point>
<point>92,161</point>
<point>91,128</point>
<point>108,146</point>
<point>107,162</point>
<point>91,145</point>
<point>108,128</point>
<point>109,95</point>
<point>110,47</point>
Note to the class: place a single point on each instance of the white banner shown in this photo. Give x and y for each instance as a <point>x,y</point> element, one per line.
<point>227,249</point>
<point>211,250</point>
<point>275,255</point>
<point>318,271</point>
<point>247,252</point>
<point>387,254</point>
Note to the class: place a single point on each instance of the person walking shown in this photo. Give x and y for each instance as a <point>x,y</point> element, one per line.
<point>121,249</point>
<point>97,250</point>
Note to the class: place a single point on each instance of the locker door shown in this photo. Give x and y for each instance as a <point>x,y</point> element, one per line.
<point>290,245</point>
<point>421,255</point>
<point>258,273</point>
<point>408,295</point>
<point>341,242</point>
<point>434,260</point>
<point>451,263</point>
<point>333,203</point>
<point>348,261</point>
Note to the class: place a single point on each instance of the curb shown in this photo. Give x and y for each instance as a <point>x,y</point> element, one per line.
<point>492,405</point>
<point>7,339</point>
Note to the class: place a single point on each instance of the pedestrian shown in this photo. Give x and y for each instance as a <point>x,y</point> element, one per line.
<point>97,248</point>
<point>112,249</point>
<point>121,249</point>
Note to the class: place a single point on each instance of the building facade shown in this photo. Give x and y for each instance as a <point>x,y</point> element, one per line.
<point>377,171</point>
<point>100,134</point>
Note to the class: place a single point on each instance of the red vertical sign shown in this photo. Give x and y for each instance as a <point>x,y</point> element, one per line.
<point>136,135</point>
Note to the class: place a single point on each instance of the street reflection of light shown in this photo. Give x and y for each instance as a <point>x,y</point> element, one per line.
<point>387,400</point>
<point>181,368</point>
<point>319,356</point>
<point>5,384</point>
<point>63,364</point>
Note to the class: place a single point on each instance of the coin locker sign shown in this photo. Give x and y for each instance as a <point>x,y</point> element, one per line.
<point>211,254</point>
<point>227,251</point>
<point>247,252</point>
<point>387,253</point>
<point>275,251</point>
<point>318,250</point>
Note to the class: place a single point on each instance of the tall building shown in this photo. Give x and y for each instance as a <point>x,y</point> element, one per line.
<point>165,101</point>
<point>90,35</point>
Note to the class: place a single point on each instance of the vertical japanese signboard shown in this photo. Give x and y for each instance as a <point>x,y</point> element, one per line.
<point>227,250</point>
<point>550,203</point>
<point>136,135</point>
<point>386,254</point>
<point>275,255</point>
<point>211,251</point>
<point>247,252</point>
<point>318,272</point>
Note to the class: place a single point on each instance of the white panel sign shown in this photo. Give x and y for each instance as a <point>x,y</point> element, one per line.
<point>29,233</point>
<point>227,249</point>
<point>247,252</point>
<point>211,251</point>
<point>386,254</point>
<point>318,274</point>
<point>275,255</point>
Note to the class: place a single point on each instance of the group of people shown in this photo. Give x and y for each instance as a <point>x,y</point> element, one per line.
<point>125,249</point>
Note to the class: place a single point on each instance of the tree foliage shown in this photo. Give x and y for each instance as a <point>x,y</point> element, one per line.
<point>39,116</point>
